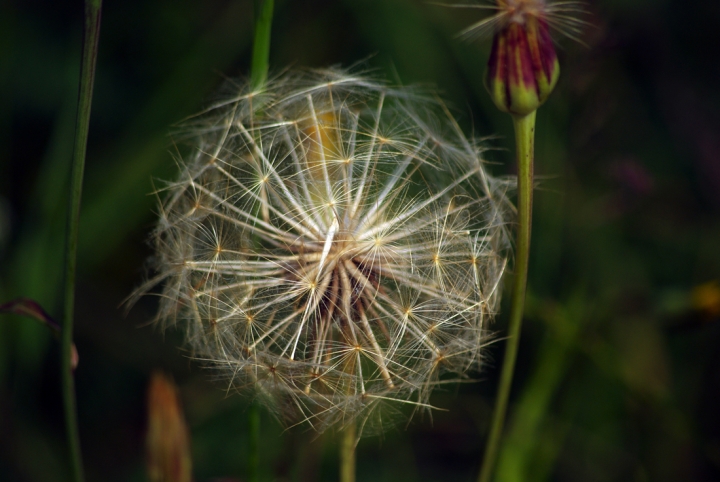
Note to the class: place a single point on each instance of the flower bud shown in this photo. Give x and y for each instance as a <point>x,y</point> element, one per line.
<point>523,67</point>
<point>168,441</point>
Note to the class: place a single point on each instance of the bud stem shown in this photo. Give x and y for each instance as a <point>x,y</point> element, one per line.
<point>525,145</point>
<point>347,453</point>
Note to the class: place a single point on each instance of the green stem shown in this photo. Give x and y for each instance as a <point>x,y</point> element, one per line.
<point>258,77</point>
<point>261,44</point>
<point>254,443</point>
<point>525,145</point>
<point>347,453</point>
<point>87,77</point>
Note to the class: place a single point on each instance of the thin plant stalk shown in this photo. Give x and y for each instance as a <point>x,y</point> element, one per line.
<point>253,470</point>
<point>258,78</point>
<point>261,44</point>
<point>87,77</point>
<point>525,146</point>
<point>347,453</point>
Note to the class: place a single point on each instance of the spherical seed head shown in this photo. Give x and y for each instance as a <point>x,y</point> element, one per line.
<point>333,245</point>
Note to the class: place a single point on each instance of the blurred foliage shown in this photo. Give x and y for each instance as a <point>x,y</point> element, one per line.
<point>619,372</point>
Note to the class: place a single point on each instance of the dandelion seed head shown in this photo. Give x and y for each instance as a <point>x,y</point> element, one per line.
<point>315,248</point>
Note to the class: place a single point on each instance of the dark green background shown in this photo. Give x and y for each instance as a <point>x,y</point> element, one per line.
<point>619,370</point>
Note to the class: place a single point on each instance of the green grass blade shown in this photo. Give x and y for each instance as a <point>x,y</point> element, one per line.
<point>87,77</point>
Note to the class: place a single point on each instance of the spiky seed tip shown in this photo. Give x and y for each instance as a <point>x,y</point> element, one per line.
<point>332,244</point>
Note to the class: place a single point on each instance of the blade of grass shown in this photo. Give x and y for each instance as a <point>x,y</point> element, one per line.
<point>87,76</point>
<point>520,454</point>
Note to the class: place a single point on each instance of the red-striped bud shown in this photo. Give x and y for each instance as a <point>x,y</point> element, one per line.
<point>523,67</point>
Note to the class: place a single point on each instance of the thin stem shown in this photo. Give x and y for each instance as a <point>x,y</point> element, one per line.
<point>525,145</point>
<point>261,44</point>
<point>87,77</point>
<point>254,445</point>
<point>258,77</point>
<point>347,453</point>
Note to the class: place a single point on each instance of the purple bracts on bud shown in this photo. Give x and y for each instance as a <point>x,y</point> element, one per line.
<point>523,67</point>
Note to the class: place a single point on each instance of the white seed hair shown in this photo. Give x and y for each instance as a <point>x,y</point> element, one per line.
<point>331,245</point>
